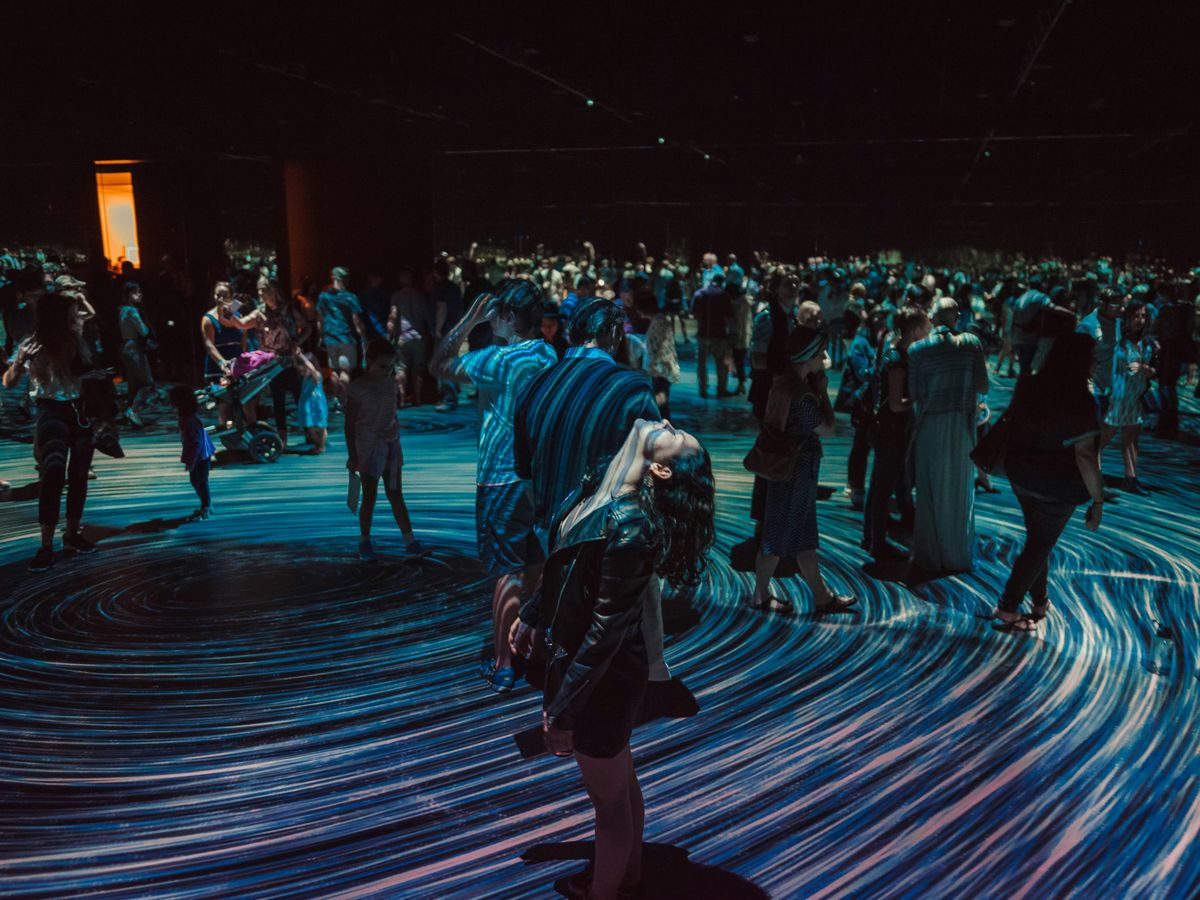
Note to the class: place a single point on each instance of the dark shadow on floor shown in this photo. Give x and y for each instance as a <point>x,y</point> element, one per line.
<point>24,492</point>
<point>667,872</point>
<point>151,526</point>
<point>662,700</point>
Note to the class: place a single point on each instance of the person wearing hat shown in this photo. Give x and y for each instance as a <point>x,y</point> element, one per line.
<point>340,324</point>
<point>799,407</point>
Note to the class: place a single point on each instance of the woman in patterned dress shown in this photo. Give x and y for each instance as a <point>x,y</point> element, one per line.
<point>1132,374</point>
<point>800,401</point>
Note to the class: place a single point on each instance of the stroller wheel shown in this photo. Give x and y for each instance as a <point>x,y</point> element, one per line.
<point>265,447</point>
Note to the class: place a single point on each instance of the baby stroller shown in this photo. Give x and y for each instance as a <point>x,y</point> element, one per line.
<point>260,440</point>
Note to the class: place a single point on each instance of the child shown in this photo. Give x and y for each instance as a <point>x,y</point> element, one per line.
<point>373,445</point>
<point>313,412</point>
<point>198,447</point>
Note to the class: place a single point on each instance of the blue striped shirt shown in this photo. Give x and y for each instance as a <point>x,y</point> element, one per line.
<point>500,372</point>
<point>569,418</point>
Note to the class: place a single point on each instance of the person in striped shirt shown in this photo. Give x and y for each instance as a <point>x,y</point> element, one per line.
<point>504,520</point>
<point>575,415</point>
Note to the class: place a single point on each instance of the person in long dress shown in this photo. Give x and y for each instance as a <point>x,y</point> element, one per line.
<point>947,374</point>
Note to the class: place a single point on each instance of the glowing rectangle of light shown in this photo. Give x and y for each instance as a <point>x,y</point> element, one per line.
<point>118,218</point>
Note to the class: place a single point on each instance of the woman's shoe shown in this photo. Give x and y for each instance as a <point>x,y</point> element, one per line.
<point>1133,486</point>
<point>42,560</point>
<point>365,551</point>
<point>77,543</point>
<point>1039,611</point>
<point>837,604</point>
<point>1019,625</point>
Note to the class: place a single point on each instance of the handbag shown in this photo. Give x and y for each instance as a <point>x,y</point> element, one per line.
<point>989,452</point>
<point>1151,402</point>
<point>773,456</point>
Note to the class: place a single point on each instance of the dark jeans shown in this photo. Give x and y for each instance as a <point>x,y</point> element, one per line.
<point>1025,354</point>
<point>199,478</point>
<point>63,447</point>
<point>286,382</point>
<point>1044,522</point>
<point>1170,370</point>
<point>856,465</point>
<point>887,473</point>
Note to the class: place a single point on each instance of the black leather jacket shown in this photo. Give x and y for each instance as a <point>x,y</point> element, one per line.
<point>590,603</point>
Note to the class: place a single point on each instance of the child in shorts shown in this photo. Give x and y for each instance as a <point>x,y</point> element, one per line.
<point>198,449</point>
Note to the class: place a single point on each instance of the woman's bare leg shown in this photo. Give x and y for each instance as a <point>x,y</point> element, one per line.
<point>366,508</point>
<point>608,786</point>
<point>764,571</point>
<point>1129,449</point>
<point>810,568</point>
<point>400,510</point>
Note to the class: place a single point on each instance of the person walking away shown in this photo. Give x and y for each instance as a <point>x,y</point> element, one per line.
<point>740,324</point>
<point>56,359</point>
<point>135,366</point>
<point>373,446</point>
<point>947,375</point>
<point>504,518</point>
<point>712,308</point>
<point>340,323</point>
<point>1052,461</point>
<point>1026,319</point>
<point>198,449</point>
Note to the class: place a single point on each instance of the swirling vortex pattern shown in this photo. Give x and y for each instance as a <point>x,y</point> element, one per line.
<point>239,708</point>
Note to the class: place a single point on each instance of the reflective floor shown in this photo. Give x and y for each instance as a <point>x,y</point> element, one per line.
<point>239,708</point>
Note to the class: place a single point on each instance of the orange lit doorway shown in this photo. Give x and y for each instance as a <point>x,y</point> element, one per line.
<point>118,216</point>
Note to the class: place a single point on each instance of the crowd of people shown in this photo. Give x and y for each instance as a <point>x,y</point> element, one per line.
<point>587,497</point>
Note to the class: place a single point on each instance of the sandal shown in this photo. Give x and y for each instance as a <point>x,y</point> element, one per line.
<point>1039,611</point>
<point>1019,625</point>
<point>773,604</point>
<point>839,603</point>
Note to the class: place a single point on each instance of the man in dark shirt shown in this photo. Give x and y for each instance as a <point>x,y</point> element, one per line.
<point>889,435</point>
<point>712,308</point>
<point>448,309</point>
<point>376,304</point>
<point>572,417</point>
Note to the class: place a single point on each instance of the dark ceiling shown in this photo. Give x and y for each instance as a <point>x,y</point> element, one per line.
<point>965,105</point>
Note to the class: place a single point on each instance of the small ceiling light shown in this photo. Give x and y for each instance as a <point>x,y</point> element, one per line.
<point>591,102</point>
<point>662,140</point>
<point>706,156</point>
<point>987,154</point>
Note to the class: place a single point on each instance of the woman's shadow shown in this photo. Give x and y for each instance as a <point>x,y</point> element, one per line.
<point>667,872</point>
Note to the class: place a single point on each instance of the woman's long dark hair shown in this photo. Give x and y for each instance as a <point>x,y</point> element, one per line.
<point>54,331</point>
<point>1062,378</point>
<point>1127,315</point>
<point>680,510</point>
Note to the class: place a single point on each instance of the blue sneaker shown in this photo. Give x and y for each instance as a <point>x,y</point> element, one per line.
<point>365,551</point>
<point>499,680</point>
